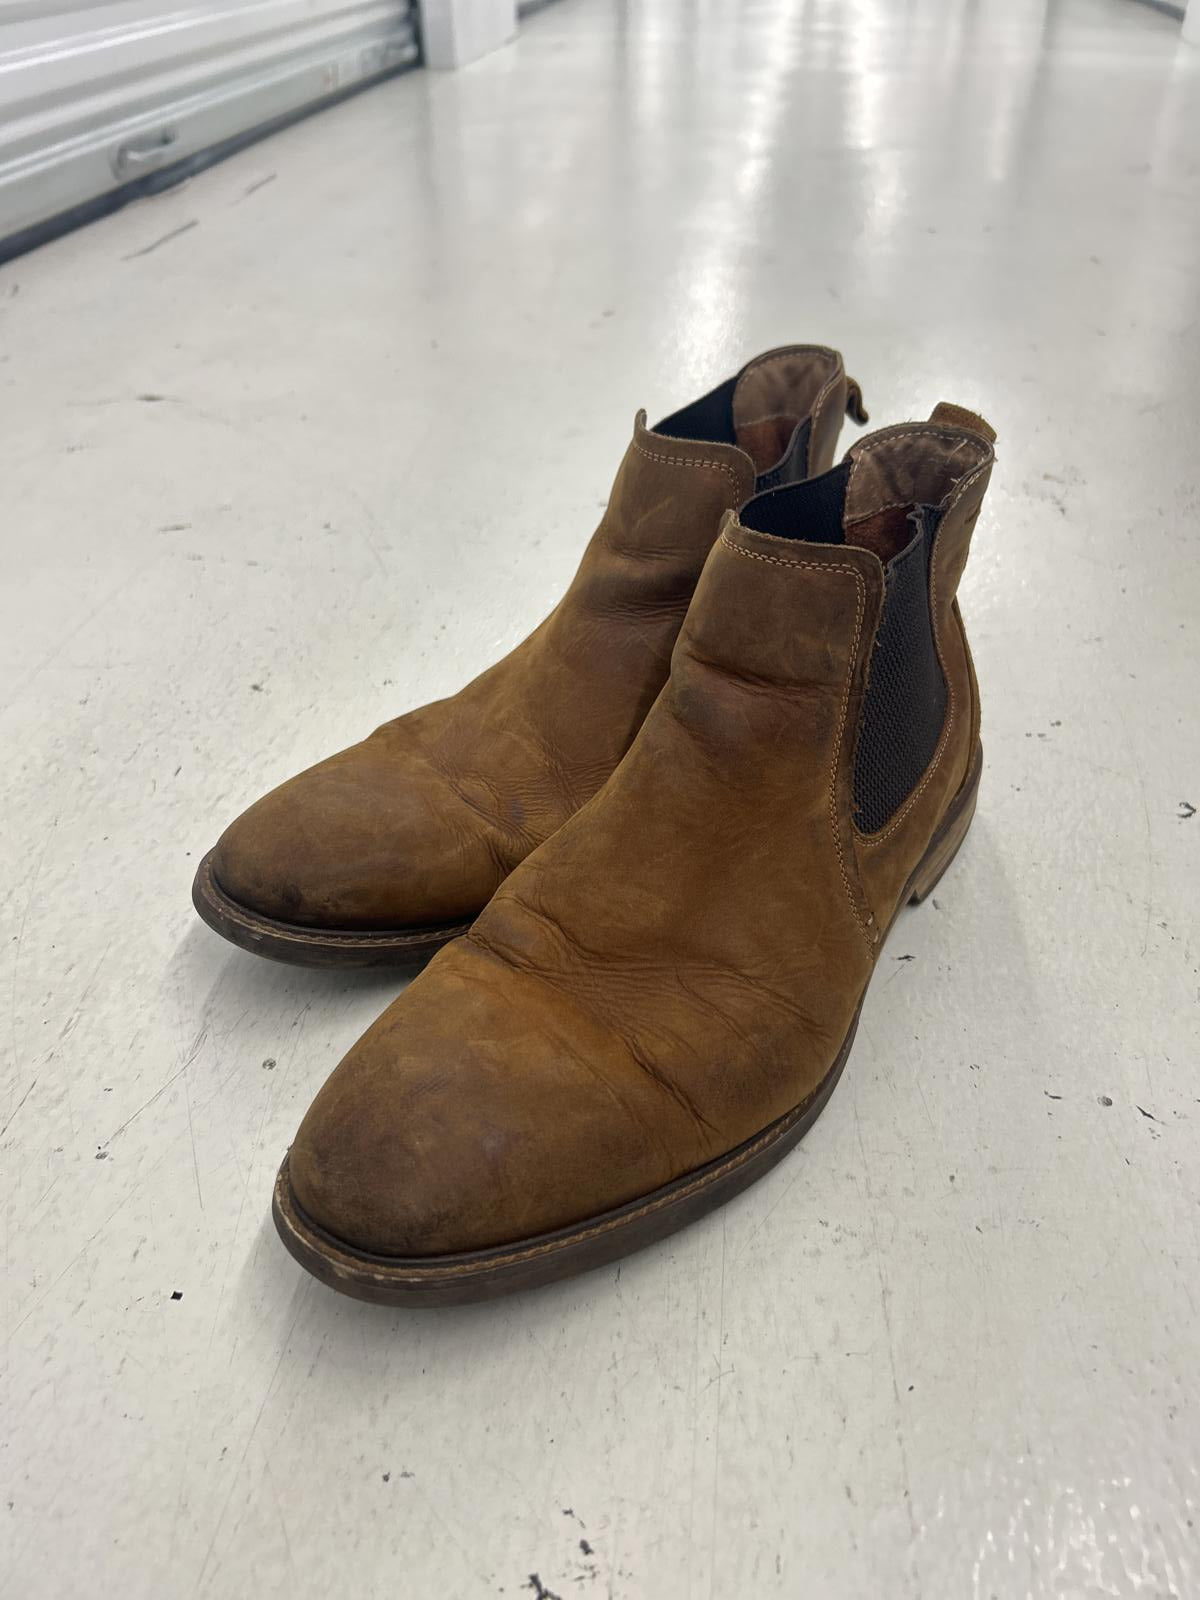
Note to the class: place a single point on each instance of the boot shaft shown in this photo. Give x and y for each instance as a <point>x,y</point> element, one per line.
<point>776,422</point>
<point>842,591</point>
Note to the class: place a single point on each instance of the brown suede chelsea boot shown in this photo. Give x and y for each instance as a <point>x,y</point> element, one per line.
<point>659,1000</point>
<point>383,853</point>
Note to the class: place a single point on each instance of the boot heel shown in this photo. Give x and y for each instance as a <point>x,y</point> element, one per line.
<point>947,841</point>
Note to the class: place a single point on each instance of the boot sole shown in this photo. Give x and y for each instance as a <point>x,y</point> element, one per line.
<point>312,947</point>
<point>601,1240</point>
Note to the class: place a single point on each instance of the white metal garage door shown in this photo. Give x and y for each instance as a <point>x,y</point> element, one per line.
<point>97,93</point>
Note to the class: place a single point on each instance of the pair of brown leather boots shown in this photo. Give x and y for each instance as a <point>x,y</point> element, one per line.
<point>661,843</point>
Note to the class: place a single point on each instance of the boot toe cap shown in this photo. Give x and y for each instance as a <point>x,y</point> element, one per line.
<point>350,844</point>
<point>385,1165</point>
<point>397,1157</point>
<point>481,1110</point>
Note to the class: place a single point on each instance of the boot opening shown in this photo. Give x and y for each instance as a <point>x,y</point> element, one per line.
<point>765,410</point>
<point>894,472</point>
<point>872,497</point>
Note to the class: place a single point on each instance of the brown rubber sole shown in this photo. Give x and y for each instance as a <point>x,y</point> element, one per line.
<point>312,947</point>
<point>487,1274</point>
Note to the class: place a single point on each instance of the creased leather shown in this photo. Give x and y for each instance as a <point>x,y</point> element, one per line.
<point>637,997</point>
<point>677,966</point>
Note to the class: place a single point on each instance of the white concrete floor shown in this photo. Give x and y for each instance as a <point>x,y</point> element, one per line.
<point>312,439</point>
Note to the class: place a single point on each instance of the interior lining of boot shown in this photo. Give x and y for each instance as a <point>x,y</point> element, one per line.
<point>709,419</point>
<point>773,396</point>
<point>870,499</point>
<point>759,409</point>
<point>887,532</point>
<point>917,466</point>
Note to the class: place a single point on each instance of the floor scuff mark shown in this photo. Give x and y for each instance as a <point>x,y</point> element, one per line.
<point>166,239</point>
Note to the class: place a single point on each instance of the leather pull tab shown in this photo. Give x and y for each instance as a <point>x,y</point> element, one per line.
<point>960,417</point>
<point>854,403</point>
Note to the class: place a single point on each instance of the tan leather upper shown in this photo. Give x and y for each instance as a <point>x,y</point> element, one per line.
<point>420,822</point>
<point>681,962</point>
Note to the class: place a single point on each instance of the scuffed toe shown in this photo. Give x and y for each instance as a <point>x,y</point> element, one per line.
<point>361,841</point>
<point>479,1110</point>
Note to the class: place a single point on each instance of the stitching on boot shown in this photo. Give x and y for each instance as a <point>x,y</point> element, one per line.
<point>690,461</point>
<point>779,561</point>
<point>860,608</point>
<point>789,353</point>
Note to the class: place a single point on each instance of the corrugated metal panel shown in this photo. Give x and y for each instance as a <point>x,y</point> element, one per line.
<point>100,92</point>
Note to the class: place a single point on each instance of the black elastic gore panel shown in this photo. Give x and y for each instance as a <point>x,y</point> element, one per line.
<point>709,419</point>
<point>792,466</point>
<point>905,705</point>
<point>811,511</point>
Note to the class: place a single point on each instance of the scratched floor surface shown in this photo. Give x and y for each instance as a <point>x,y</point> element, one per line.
<point>311,440</point>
